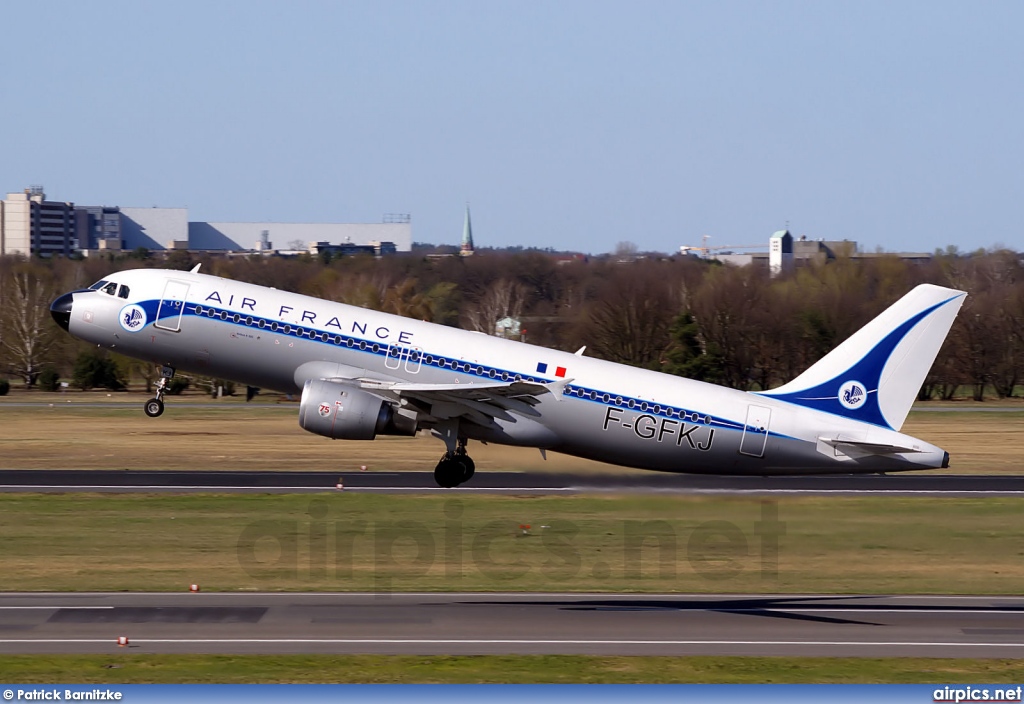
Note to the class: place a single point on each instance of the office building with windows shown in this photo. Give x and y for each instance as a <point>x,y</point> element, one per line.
<point>30,224</point>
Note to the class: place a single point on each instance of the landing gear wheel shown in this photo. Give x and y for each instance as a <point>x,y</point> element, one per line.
<point>450,471</point>
<point>469,467</point>
<point>155,406</point>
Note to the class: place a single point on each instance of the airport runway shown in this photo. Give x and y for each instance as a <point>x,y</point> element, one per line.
<point>462,624</point>
<point>185,404</point>
<point>909,484</point>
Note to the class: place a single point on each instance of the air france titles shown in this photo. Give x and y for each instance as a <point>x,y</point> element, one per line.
<point>648,427</point>
<point>289,314</point>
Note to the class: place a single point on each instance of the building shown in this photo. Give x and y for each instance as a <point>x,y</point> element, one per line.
<point>247,236</point>
<point>98,227</point>
<point>158,229</point>
<point>347,249</point>
<point>785,252</point>
<point>32,225</point>
<point>154,228</point>
<point>509,328</point>
<point>780,252</point>
<point>822,250</point>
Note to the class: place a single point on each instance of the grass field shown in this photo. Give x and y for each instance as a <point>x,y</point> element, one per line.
<point>346,541</point>
<point>365,542</point>
<point>236,436</point>
<point>127,668</point>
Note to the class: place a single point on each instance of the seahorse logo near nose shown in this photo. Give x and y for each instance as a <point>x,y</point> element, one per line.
<point>132,318</point>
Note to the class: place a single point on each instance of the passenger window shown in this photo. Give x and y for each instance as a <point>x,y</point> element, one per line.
<point>110,288</point>
<point>122,292</point>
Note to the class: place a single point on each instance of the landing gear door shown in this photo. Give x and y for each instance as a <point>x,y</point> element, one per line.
<point>172,306</point>
<point>755,432</point>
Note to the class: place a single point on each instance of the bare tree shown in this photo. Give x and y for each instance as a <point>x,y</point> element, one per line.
<point>26,331</point>
<point>630,321</point>
<point>725,309</point>
<point>504,298</point>
<point>626,250</point>
<point>977,339</point>
<point>147,371</point>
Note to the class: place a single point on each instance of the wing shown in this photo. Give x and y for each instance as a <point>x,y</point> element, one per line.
<point>480,402</point>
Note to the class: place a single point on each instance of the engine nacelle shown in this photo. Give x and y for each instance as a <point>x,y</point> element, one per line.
<point>343,412</point>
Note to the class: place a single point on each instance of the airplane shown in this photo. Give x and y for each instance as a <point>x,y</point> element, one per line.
<point>363,373</point>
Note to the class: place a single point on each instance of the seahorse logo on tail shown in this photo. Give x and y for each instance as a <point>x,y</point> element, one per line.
<point>852,394</point>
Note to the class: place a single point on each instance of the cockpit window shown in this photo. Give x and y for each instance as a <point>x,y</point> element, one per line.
<point>110,288</point>
<point>98,285</point>
<point>122,292</point>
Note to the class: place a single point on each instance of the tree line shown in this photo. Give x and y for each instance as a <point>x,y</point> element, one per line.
<point>735,326</point>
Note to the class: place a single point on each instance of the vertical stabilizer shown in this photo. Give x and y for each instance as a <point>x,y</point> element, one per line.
<point>875,375</point>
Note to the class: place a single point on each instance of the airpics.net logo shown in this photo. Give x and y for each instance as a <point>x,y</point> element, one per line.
<point>852,395</point>
<point>132,318</point>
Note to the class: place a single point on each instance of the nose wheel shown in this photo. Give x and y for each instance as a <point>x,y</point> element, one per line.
<point>155,406</point>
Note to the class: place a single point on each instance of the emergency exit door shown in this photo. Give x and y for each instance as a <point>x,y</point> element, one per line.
<point>172,306</point>
<point>755,432</point>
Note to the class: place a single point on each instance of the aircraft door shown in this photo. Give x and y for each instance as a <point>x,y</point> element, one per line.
<point>172,306</point>
<point>755,432</point>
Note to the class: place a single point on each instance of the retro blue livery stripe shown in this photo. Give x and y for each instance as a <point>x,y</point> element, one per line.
<point>854,393</point>
<point>418,358</point>
<point>167,311</point>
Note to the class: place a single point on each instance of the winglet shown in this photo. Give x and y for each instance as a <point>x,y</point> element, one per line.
<point>537,388</point>
<point>557,388</point>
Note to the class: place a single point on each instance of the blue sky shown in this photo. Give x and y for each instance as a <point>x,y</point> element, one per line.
<point>573,125</point>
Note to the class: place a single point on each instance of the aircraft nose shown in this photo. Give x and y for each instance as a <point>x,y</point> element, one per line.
<point>60,309</point>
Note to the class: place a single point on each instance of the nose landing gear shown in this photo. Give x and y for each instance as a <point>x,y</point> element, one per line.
<point>155,406</point>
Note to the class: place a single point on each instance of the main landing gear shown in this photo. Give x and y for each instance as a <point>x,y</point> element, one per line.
<point>455,467</point>
<point>155,406</point>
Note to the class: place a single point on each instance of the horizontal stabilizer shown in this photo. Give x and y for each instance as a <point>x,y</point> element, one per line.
<point>871,448</point>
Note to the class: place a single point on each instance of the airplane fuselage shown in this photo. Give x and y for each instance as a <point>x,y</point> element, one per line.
<point>278,340</point>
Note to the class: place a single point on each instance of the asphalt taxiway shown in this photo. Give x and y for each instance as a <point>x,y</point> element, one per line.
<point>92,480</point>
<point>476,623</point>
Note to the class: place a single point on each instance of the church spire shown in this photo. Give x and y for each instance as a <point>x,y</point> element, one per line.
<point>467,236</point>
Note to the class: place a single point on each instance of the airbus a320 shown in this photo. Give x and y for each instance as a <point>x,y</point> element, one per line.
<point>363,373</point>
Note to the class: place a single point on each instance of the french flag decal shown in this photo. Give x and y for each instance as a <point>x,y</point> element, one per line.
<point>542,368</point>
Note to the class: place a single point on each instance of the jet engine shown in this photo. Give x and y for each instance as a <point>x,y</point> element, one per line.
<point>343,412</point>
